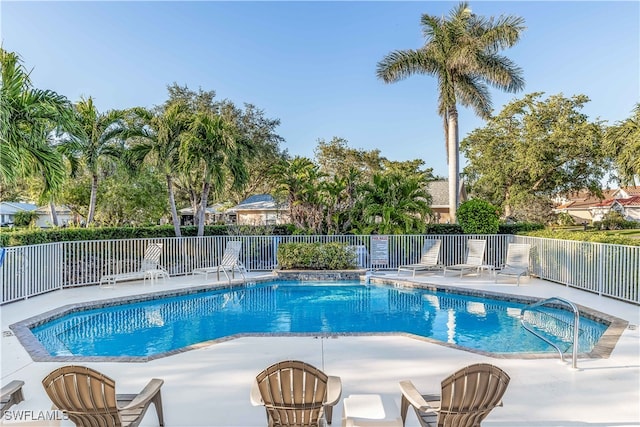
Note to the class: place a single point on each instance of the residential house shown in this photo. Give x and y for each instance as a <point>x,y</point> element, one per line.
<point>64,214</point>
<point>8,211</point>
<point>579,205</point>
<point>439,191</point>
<point>215,214</point>
<point>625,200</point>
<point>584,206</point>
<point>260,209</point>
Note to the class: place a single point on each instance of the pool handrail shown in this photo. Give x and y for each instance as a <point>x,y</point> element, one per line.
<point>576,324</point>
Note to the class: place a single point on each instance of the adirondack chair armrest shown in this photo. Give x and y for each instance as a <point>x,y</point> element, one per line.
<point>334,390</point>
<point>148,393</point>
<point>256,398</point>
<point>414,398</point>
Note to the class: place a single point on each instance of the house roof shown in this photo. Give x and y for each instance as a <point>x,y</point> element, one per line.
<point>627,202</point>
<point>213,209</point>
<point>60,209</point>
<point>13,207</point>
<point>439,191</point>
<point>258,202</point>
<point>584,199</point>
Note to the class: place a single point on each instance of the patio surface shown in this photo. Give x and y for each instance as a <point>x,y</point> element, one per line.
<point>210,386</point>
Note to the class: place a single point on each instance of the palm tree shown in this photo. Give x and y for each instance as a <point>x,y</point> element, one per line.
<point>158,139</point>
<point>214,149</point>
<point>298,181</point>
<point>461,51</point>
<point>395,203</point>
<point>26,117</point>
<point>97,138</point>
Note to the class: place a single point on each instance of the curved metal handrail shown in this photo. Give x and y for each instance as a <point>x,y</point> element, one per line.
<point>576,323</point>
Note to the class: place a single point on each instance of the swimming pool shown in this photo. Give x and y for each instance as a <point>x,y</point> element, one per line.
<point>165,325</point>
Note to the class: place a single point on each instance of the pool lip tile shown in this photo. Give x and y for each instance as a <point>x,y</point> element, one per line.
<point>22,329</point>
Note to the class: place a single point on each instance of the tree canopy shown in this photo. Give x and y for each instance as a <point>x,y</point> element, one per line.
<point>542,147</point>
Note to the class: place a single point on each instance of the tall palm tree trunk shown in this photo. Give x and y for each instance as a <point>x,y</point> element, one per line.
<point>93,198</point>
<point>53,213</point>
<point>203,207</point>
<point>454,168</point>
<point>172,206</point>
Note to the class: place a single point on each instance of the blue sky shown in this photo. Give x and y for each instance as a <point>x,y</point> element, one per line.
<point>312,64</point>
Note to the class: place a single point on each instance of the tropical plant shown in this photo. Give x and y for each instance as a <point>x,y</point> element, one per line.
<point>298,183</point>
<point>394,204</point>
<point>461,51</point>
<point>27,116</point>
<point>623,144</point>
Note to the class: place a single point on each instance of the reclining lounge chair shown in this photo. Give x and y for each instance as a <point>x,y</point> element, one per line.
<point>429,258</point>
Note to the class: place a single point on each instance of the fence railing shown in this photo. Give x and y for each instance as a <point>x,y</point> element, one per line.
<point>610,270</point>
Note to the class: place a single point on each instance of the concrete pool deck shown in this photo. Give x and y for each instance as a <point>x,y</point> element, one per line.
<point>210,386</point>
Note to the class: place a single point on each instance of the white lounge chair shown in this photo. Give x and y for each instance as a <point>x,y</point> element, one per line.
<point>230,262</point>
<point>517,262</point>
<point>428,258</point>
<point>475,254</point>
<point>149,268</point>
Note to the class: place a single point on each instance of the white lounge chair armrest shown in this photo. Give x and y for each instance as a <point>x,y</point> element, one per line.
<point>148,393</point>
<point>256,397</point>
<point>414,397</point>
<point>11,388</point>
<point>334,390</point>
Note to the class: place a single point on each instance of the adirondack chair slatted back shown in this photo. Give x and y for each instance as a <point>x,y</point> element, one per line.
<point>470,394</point>
<point>293,393</point>
<point>86,396</point>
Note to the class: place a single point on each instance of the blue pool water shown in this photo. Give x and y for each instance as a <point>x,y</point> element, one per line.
<point>162,325</point>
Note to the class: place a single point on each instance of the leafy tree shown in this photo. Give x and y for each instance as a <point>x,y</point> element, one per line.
<point>478,217</point>
<point>336,158</point>
<point>623,144</point>
<point>542,147</point>
<point>27,115</point>
<point>253,126</point>
<point>461,51</point>
<point>394,204</point>
<point>137,202</point>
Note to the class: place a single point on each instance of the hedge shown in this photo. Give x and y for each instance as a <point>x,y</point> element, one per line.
<point>316,256</point>
<point>34,236</point>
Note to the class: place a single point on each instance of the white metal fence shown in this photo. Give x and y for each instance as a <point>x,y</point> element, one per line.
<point>611,270</point>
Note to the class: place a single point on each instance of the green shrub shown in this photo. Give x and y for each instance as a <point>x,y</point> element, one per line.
<point>519,227</point>
<point>25,218</point>
<point>316,256</point>
<point>443,229</point>
<point>478,217</point>
<point>615,221</point>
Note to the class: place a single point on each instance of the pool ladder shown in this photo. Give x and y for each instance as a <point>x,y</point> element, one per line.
<point>576,323</point>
